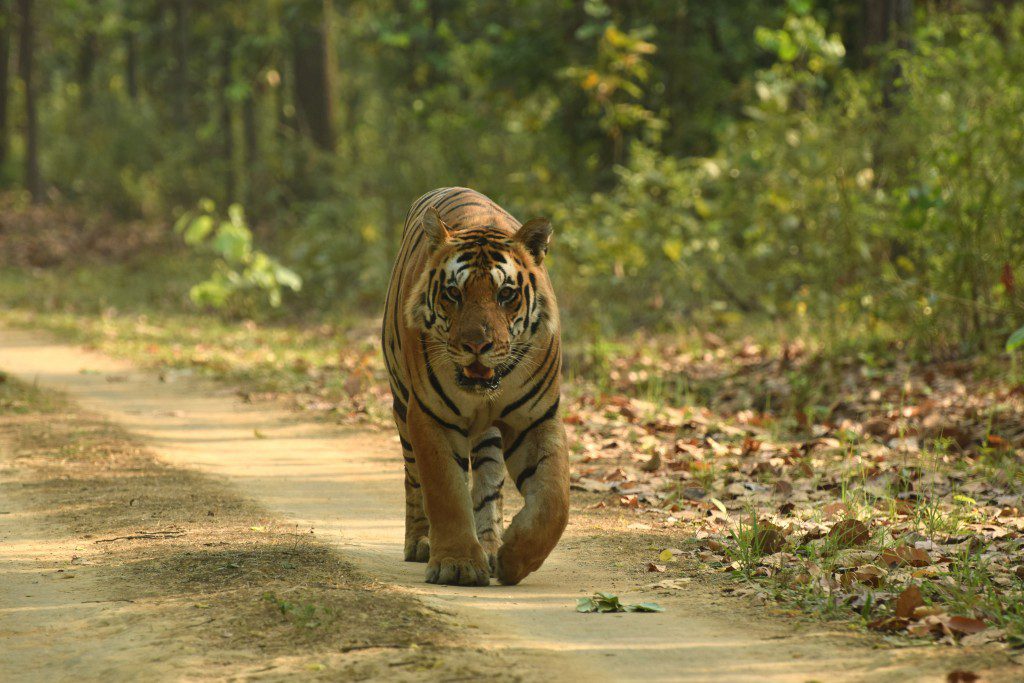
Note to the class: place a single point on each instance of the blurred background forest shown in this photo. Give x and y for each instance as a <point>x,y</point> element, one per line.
<point>852,168</point>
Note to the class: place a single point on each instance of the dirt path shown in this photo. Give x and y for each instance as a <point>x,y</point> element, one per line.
<point>345,485</point>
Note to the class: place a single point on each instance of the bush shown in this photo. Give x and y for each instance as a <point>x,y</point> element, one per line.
<point>242,275</point>
<point>840,198</point>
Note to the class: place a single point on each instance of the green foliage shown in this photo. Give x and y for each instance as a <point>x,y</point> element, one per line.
<point>615,84</point>
<point>841,198</point>
<point>701,161</point>
<point>239,270</point>
<point>1015,341</point>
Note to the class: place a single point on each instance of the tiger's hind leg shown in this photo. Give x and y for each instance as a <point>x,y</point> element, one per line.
<point>488,468</point>
<point>417,528</point>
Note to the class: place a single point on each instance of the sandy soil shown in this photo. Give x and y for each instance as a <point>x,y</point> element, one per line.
<point>344,486</point>
<point>115,566</point>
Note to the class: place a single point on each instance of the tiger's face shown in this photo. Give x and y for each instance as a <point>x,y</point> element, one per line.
<point>481,299</point>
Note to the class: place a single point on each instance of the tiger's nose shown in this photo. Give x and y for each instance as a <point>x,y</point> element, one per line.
<point>478,348</point>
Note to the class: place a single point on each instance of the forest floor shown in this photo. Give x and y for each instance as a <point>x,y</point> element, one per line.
<point>796,508</point>
<point>192,532</point>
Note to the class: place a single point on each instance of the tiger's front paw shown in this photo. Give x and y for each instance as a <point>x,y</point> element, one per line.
<point>453,570</point>
<point>515,561</point>
<point>417,549</point>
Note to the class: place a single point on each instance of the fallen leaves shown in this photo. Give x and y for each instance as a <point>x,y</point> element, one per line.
<point>849,533</point>
<point>870,575</point>
<point>905,555</point>
<point>965,625</point>
<point>908,601</point>
<point>887,490</point>
<point>768,539</point>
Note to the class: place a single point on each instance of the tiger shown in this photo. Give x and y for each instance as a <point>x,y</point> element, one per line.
<point>472,346</point>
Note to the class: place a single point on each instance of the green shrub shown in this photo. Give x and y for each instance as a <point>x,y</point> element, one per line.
<point>242,274</point>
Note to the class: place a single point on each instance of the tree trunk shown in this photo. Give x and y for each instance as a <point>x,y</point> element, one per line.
<point>330,64</point>
<point>5,50</point>
<point>230,182</point>
<point>33,181</point>
<point>888,21</point>
<point>251,137</point>
<point>131,65</point>
<point>86,65</point>
<point>876,22</point>
<point>311,82</point>
<point>181,61</point>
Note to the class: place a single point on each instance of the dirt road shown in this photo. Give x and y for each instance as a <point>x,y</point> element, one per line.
<point>345,485</point>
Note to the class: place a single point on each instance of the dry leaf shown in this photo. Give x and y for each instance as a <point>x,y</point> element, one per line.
<point>966,625</point>
<point>653,464</point>
<point>905,555</point>
<point>768,538</point>
<point>870,575</point>
<point>833,510</point>
<point>889,624</point>
<point>849,533</point>
<point>960,676</point>
<point>908,601</point>
<point>927,626</point>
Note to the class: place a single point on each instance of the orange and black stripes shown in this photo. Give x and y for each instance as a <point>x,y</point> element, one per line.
<point>462,252</point>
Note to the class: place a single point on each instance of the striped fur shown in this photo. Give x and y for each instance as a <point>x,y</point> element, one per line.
<point>471,343</point>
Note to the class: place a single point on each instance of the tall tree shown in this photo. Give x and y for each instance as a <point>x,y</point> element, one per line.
<point>131,64</point>
<point>33,179</point>
<point>251,137</point>
<point>311,79</point>
<point>227,135</point>
<point>5,50</point>
<point>181,61</point>
<point>88,53</point>
<point>888,22</point>
<point>130,23</point>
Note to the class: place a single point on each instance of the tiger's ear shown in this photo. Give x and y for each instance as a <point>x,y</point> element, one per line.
<point>435,228</point>
<point>535,235</point>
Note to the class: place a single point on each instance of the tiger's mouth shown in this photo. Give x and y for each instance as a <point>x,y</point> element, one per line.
<point>478,371</point>
<point>476,375</point>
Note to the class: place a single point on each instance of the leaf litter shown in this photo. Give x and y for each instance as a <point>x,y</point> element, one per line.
<point>888,491</point>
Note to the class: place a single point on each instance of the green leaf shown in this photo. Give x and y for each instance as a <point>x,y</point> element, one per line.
<point>213,292</point>
<point>233,242</point>
<point>609,603</point>
<point>788,50</point>
<point>198,230</point>
<point>183,222</point>
<point>606,602</point>
<point>1015,341</point>
<point>236,214</point>
<point>286,277</point>
<point>645,607</point>
<point>673,249</point>
<point>395,39</point>
<point>800,7</point>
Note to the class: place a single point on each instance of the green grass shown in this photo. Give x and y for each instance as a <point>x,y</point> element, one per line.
<point>141,311</point>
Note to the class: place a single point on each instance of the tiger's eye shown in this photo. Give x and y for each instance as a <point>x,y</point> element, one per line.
<point>453,293</point>
<point>506,295</point>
